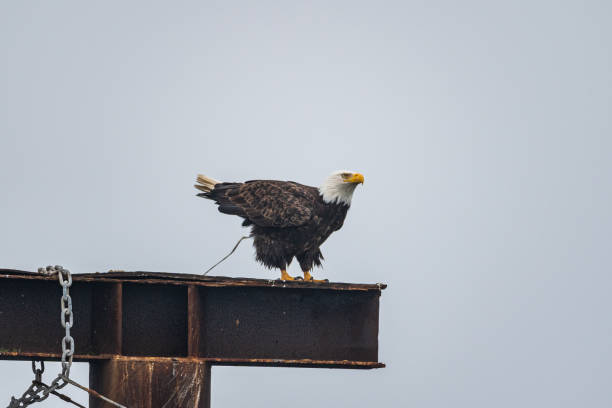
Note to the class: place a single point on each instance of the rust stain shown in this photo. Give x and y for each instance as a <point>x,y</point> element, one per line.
<point>198,280</point>
<point>218,361</point>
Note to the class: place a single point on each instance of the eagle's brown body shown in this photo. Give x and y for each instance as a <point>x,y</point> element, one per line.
<point>288,219</point>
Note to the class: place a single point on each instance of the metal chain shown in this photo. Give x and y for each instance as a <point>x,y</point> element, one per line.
<point>39,391</point>
<point>65,280</point>
<point>31,395</point>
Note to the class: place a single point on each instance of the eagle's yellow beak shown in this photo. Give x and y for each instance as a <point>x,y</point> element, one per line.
<point>355,178</point>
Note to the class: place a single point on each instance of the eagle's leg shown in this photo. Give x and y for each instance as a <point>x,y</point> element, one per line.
<point>285,276</point>
<point>308,278</point>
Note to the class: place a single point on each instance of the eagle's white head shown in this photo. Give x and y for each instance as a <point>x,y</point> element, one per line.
<point>339,186</point>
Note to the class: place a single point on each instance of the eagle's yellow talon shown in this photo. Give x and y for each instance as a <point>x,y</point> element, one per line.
<point>308,278</point>
<point>285,276</point>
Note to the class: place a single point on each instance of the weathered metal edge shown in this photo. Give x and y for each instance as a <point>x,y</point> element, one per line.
<point>188,279</point>
<point>262,362</point>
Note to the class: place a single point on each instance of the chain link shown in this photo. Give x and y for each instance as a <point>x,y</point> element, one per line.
<point>38,371</point>
<point>65,280</point>
<point>38,391</point>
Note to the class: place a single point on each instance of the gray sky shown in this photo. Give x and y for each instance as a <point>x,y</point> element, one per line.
<point>483,131</point>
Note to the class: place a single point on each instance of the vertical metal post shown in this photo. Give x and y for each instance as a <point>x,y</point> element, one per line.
<point>150,382</point>
<point>194,321</point>
<point>145,381</point>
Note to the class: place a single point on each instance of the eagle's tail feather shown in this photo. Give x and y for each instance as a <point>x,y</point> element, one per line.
<point>205,184</point>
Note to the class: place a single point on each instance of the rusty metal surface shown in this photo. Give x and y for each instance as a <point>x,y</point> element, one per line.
<point>106,312</point>
<point>257,362</point>
<point>195,316</point>
<point>291,324</point>
<point>185,279</point>
<point>154,320</point>
<point>30,311</point>
<point>149,383</point>
<point>215,320</point>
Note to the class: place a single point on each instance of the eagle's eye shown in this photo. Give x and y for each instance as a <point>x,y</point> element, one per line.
<point>346,175</point>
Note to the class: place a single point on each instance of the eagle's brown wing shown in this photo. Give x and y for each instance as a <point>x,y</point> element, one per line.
<point>267,203</point>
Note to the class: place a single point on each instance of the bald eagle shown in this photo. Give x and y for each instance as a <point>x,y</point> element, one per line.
<point>287,219</point>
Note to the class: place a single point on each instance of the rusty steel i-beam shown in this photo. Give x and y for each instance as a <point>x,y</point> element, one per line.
<point>150,337</point>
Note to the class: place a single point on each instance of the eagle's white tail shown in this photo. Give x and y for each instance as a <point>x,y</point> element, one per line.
<point>205,184</point>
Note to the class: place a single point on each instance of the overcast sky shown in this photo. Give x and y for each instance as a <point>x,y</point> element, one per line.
<point>483,130</point>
